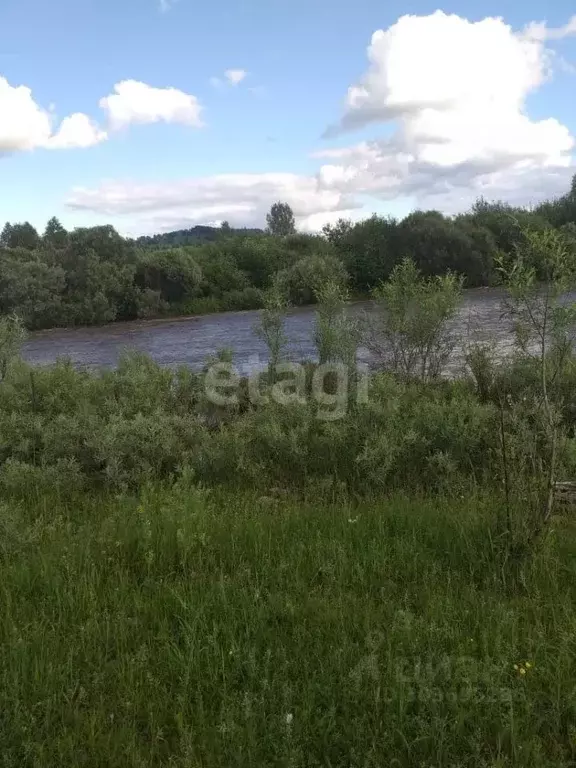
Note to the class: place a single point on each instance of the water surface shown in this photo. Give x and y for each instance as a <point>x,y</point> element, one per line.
<point>190,341</point>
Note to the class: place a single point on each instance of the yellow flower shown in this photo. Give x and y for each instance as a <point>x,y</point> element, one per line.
<point>522,671</point>
<point>528,665</point>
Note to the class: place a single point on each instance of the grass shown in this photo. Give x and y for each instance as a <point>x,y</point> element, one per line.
<point>186,628</point>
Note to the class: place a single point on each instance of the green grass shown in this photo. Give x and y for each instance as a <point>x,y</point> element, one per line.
<point>194,629</point>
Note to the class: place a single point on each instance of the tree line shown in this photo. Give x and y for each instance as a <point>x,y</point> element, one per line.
<point>94,275</point>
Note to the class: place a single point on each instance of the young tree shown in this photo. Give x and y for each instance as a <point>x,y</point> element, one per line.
<point>544,322</point>
<point>270,329</point>
<point>6,236</point>
<point>55,235</point>
<point>225,229</point>
<point>335,334</point>
<point>409,331</point>
<point>12,335</point>
<point>280,220</point>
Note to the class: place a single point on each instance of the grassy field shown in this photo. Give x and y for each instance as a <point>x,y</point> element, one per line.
<point>187,628</point>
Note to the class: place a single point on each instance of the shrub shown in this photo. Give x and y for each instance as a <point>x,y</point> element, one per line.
<point>409,332</point>
<point>301,282</point>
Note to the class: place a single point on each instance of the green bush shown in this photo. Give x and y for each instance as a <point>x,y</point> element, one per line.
<point>301,282</point>
<point>404,437</point>
<point>248,298</point>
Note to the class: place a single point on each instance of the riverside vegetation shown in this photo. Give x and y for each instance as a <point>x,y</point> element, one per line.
<point>93,275</point>
<point>314,566</point>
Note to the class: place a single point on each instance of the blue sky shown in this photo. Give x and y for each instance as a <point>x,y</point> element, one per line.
<point>300,59</point>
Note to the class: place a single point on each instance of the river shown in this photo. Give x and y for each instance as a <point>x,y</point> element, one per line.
<point>190,341</point>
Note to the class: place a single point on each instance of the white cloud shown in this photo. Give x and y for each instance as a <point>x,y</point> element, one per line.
<point>77,130</point>
<point>242,199</point>
<point>24,125</point>
<point>454,93</point>
<point>136,102</point>
<point>383,170</point>
<point>425,65</point>
<point>316,221</point>
<point>371,169</point>
<point>231,77</point>
<point>235,76</point>
<point>540,31</point>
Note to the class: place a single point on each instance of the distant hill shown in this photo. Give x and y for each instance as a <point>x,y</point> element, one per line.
<point>193,236</point>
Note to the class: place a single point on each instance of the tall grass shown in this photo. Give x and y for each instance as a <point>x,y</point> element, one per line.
<point>187,628</point>
<point>188,580</point>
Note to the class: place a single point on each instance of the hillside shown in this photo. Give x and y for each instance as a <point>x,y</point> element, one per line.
<point>193,236</point>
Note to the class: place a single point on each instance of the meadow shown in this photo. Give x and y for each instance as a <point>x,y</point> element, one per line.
<point>187,627</point>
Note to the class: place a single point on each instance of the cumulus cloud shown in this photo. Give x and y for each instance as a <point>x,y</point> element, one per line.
<point>77,130</point>
<point>24,125</point>
<point>454,93</point>
<point>443,66</point>
<point>381,169</point>
<point>235,76</point>
<point>136,102</point>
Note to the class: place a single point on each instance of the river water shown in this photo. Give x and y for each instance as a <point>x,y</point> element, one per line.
<point>190,341</point>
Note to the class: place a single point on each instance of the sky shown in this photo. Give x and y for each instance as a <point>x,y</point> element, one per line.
<point>154,115</point>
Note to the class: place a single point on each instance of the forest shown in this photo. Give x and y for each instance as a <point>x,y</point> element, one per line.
<point>92,276</point>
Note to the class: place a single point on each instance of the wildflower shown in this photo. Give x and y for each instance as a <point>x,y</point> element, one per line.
<point>289,718</point>
<point>352,519</point>
<point>523,667</point>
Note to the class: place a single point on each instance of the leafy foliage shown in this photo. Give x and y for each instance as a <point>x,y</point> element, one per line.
<point>300,282</point>
<point>12,334</point>
<point>409,330</point>
<point>93,275</point>
<point>544,321</point>
<point>280,220</point>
